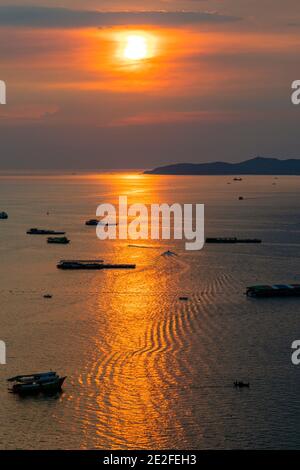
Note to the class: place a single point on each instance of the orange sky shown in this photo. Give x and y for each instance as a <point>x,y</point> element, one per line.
<point>194,78</point>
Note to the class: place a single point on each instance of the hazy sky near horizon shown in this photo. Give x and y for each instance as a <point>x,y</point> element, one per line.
<point>211,81</point>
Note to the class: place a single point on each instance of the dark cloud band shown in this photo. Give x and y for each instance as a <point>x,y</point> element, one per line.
<point>66,18</point>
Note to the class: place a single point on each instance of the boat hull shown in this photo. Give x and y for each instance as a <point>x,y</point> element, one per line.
<point>94,267</point>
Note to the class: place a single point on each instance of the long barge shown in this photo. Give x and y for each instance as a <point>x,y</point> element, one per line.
<point>91,265</point>
<point>37,231</point>
<point>278,290</point>
<point>233,240</point>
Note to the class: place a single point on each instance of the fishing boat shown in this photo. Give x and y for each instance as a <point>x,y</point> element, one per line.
<point>91,265</point>
<point>92,222</point>
<point>278,290</point>
<point>95,222</point>
<point>32,384</point>
<point>37,231</point>
<point>232,240</point>
<point>169,253</point>
<point>3,215</point>
<point>239,384</point>
<point>58,240</point>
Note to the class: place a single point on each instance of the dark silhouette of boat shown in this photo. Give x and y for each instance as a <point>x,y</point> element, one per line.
<point>169,253</point>
<point>91,265</point>
<point>239,384</point>
<point>46,382</point>
<point>37,231</point>
<point>3,215</point>
<point>92,222</point>
<point>95,222</point>
<point>58,240</point>
<point>278,290</point>
<point>232,240</point>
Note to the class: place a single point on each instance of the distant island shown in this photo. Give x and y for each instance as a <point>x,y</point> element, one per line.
<point>254,166</point>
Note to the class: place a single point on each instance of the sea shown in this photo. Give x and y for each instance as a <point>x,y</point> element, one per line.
<point>146,370</point>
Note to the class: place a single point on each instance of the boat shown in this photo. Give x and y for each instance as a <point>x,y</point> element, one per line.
<point>48,296</point>
<point>169,253</point>
<point>46,382</point>
<point>237,179</point>
<point>184,299</point>
<point>278,290</point>
<point>92,222</point>
<point>58,240</point>
<point>239,384</point>
<point>91,265</point>
<point>3,215</point>
<point>32,377</point>
<point>95,222</point>
<point>37,231</point>
<point>232,240</point>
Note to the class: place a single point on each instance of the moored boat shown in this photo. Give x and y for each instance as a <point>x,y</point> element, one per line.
<point>32,377</point>
<point>232,240</point>
<point>48,382</point>
<point>95,222</point>
<point>92,222</point>
<point>91,265</point>
<point>278,290</point>
<point>37,231</point>
<point>240,384</point>
<point>58,240</point>
<point>3,215</point>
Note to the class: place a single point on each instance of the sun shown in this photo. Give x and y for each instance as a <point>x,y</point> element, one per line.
<point>136,47</point>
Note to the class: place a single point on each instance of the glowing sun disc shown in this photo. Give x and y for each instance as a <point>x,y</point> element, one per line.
<point>136,48</point>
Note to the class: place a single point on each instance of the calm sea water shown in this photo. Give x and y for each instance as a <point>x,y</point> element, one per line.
<point>144,369</point>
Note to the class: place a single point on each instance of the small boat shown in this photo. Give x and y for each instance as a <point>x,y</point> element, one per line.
<point>184,299</point>
<point>91,265</point>
<point>95,222</point>
<point>92,222</point>
<point>32,377</point>
<point>278,290</point>
<point>169,253</point>
<point>46,382</point>
<point>237,179</point>
<point>239,384</point>
<point>47,296</point>
<point>241,198</point>
<point>37,231</point>
<point>3,215</point>
<point>232,240</point>
<point>58,240</point>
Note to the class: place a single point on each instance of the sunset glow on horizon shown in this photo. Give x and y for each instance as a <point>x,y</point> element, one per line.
<point>144,85</point>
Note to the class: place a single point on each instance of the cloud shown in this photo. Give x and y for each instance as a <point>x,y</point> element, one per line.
<point>174,117</point>
<point>44,17</point>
